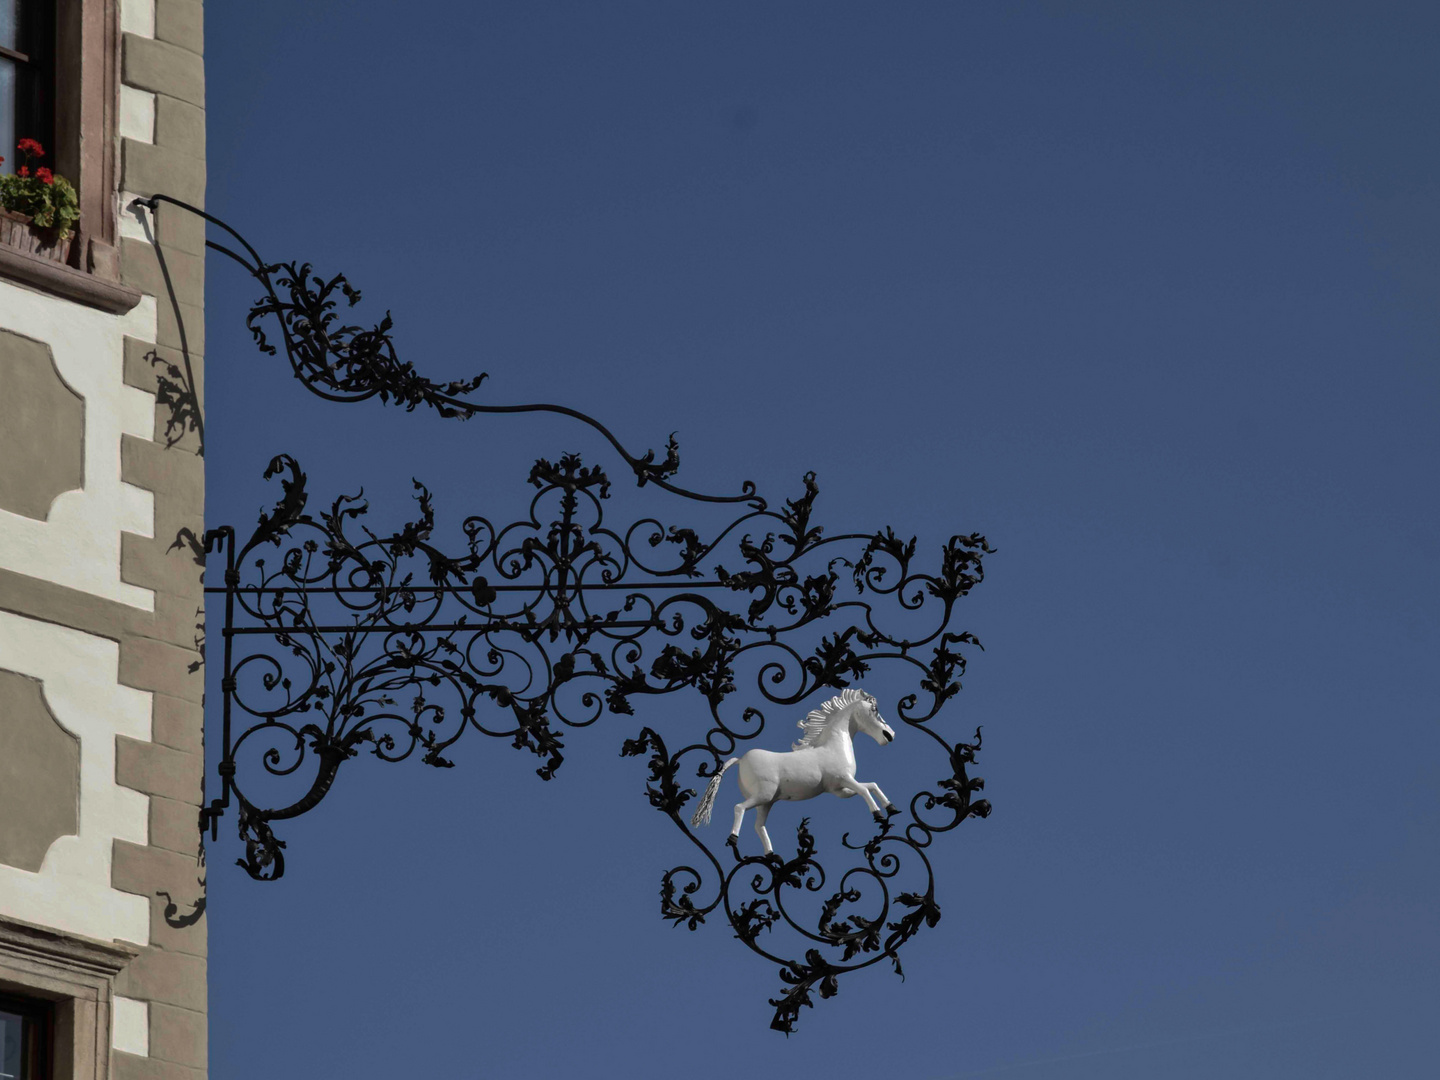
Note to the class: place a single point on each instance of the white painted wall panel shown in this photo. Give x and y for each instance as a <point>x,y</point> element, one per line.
<point>138,17</point>
<point>79,674</point>
<point>79,545</point>
<point>131,1026</point>
<point>137,114</point>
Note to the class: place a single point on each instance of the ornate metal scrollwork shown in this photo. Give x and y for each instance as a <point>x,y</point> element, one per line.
<point>346,641</point>
<point>340,641</point>
<point>345,362</point>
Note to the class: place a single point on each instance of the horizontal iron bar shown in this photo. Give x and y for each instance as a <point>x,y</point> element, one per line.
<point>478,628</point>
<point>596,587</point>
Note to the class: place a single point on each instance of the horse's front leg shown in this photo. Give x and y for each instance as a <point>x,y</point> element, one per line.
<point>761,813</point>
<point>890,807</point>
<point>854,786</point>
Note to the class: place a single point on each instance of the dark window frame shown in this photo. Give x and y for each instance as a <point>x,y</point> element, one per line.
<point>35,89</point>
<point>37,1032</point>
<point>76,976</point>
<point>87,111</point>
<point>85,149</point>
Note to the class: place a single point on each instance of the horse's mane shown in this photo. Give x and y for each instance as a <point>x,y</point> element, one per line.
<point>817,720</point>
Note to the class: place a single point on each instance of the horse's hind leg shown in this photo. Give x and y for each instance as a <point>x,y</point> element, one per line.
<point>740,808</point>
<point>761,813</point>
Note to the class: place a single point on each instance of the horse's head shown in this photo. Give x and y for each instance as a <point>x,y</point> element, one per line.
<point>866,717</point>
<point>850,711</point>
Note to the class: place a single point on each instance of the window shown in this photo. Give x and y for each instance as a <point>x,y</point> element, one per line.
<point>59,85</point>
<point>27,76</point>
<point>56,991</point>
<point>26,1036</point>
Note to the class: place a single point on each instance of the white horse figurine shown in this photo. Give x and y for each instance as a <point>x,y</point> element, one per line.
<point>823,760</point>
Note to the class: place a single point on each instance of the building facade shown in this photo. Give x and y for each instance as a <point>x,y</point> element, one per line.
<point>102,926</point>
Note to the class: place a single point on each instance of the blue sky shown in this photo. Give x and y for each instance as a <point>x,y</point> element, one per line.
<point>1144,292</point>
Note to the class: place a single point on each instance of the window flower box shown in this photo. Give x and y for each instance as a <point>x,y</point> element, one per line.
<point>38,209</point>
<point>19,233</point>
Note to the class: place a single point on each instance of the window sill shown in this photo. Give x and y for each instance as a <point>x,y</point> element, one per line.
<point>67,282</point>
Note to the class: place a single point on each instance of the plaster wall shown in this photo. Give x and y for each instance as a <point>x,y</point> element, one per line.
<point>138,17</point>
<point>78,545</point>
<point>100,604</point>
<point>72,890</point>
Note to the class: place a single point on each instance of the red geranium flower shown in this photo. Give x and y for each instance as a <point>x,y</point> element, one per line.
<point>44,175</point>
<point>30,146</point>
<point>22,171</point>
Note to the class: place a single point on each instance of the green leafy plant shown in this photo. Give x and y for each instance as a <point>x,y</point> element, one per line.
<point>48,200</point>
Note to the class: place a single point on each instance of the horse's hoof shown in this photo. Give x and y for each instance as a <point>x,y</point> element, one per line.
<point>733,841</point>
<point>880,819</point>
<point>891,810</point>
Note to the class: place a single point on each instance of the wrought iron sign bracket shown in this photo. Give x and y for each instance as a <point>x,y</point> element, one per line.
<point>340,640</point>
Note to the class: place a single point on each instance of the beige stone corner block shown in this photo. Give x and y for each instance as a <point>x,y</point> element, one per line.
<point>141,268</point>
<point>182,23</point>
<point>155,873</point>
<point>175,826</point>
<point>170,977</point>
<point>158,770</point>
<point>163,68</point>
<point>179,528</point>
<point>165,934</point>
<point>178,228</point>
<point>174,477</point>
<point>167,564</point>
<point>164,564</point>
<point>148,169</point>
<point>146,365</point>
<point>178,1035</point>
<point>140,371</point>
<point>180,126</point>
<point>168,324</point>
<point>175,619</point>
<point>179,724</point>
<point>132,1067</point>
<point>172,227</point>
<point>146,664</point>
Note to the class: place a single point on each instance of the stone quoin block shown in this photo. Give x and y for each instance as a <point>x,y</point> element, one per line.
<point>178,1035</point>
<point>180,126</point>
<point>173,978</point>
<point>142,269</point>
<point>131,1067</point>
<point>179,724</point>
<point>181,23</point>
<point>147,664</point>
<point>157,770</point>
<point>163,68</point>
<point>148,169</point>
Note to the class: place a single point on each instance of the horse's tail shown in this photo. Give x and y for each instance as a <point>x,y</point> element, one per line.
<point>707,801</point>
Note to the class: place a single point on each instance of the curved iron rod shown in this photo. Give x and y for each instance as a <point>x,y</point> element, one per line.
<point>644,468</point>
